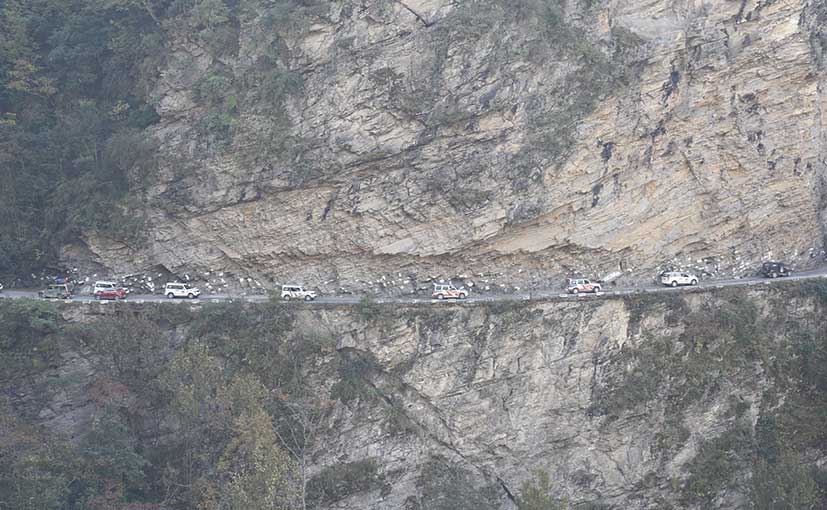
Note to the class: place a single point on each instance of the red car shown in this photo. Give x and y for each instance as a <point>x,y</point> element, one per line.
<point>117,293</point>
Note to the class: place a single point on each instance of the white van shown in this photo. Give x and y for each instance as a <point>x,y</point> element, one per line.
<point>99,286</point>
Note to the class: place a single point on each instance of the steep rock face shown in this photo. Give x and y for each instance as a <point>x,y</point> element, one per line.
<point>666,402</point>
<point>568,389</point>
<point>441,138</point>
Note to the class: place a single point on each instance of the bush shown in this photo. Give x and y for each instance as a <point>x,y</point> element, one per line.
<point>355,369</point>
<point>535,494</point>
<point>214,88</point>
<point>716,339</point>
<point>816,288</point>
<point>785,485</point>
<point>133,346</point>
<point>29,333</point>
<point>368,309</point>
<point>717,461</point>
<point>445,485</point>
<point>337,482</point>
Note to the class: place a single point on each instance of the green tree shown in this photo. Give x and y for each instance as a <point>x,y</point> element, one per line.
<point>29,333</point>
<point>446,485</point>
<point>73,83</point>
<point>784,485</point>
<point>110,450</point>
<point>256,474</point>
<point>36,471</point>
<point>26,322</point>
<point>535,494</point>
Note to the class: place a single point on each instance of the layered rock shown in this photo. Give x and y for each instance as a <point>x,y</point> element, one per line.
<point>626,403</point>
<point>432,138</point>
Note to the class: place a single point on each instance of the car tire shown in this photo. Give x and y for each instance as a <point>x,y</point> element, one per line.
<point>286,298</point>
<point>575,291</point>
<point>596,290</point>
<point>440,297</point>
<point>462,295</point>
<point>97,297</point>
<point>308,298</point>
<point>693,282</point>
<point>170,296</point>
<point>674,283</point>
<point>191,295</point>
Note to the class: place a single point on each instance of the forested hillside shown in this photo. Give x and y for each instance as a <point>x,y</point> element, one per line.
<point>74,79</point>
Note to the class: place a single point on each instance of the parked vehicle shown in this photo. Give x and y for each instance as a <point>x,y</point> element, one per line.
<point>174,290</point>
<point>579,285</point>
<point>289,292</point>
<point>108,290</point>
<point>774,269</point>
<point>448,291</point>
<point>113,294</point>
<point>675,278</point>
<point>56,291</point>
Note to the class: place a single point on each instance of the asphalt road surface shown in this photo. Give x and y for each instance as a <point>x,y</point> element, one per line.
<point>537,295</point>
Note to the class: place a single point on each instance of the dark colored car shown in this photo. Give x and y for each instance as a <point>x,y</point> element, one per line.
<point>56,291</point>
<point>774,270</point>
<point>117,293</point>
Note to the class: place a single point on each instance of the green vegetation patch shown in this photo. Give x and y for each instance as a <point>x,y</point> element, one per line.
<point>337,482</point>
<point>717,339</point>
<point>29,336</point>
<point>536,494</point>
<point>731,339</point>
<point>446,485</point>
<point>226,387</point>
<point>355,369</point>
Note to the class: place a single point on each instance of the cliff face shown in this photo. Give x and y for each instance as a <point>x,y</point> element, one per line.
<point>708,401</point>
<point>357,139</point>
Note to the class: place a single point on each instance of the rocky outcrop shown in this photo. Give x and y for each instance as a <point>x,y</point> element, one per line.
<point>629,403</point>
<point>441,138</point>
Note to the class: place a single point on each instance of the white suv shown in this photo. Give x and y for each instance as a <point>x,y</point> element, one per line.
<point>442,291</point>
<point>675,278</point>
<point>174,290</point>
<point>289,292</point>
<point>578,285</point>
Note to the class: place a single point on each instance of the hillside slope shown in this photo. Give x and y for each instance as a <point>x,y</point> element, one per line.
<point>715,400</point>
<point>335,143</point>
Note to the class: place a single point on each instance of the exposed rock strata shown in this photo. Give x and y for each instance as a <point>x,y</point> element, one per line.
<point>426,140</point>
<point>499,392</point>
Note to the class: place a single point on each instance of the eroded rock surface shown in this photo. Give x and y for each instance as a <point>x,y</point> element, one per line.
<point>643,402</point>
<point>442,138</point>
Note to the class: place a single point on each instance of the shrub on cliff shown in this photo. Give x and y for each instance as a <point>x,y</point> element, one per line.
<point>535,494</point>
<point>28,330</point>
<point>446,485</point>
